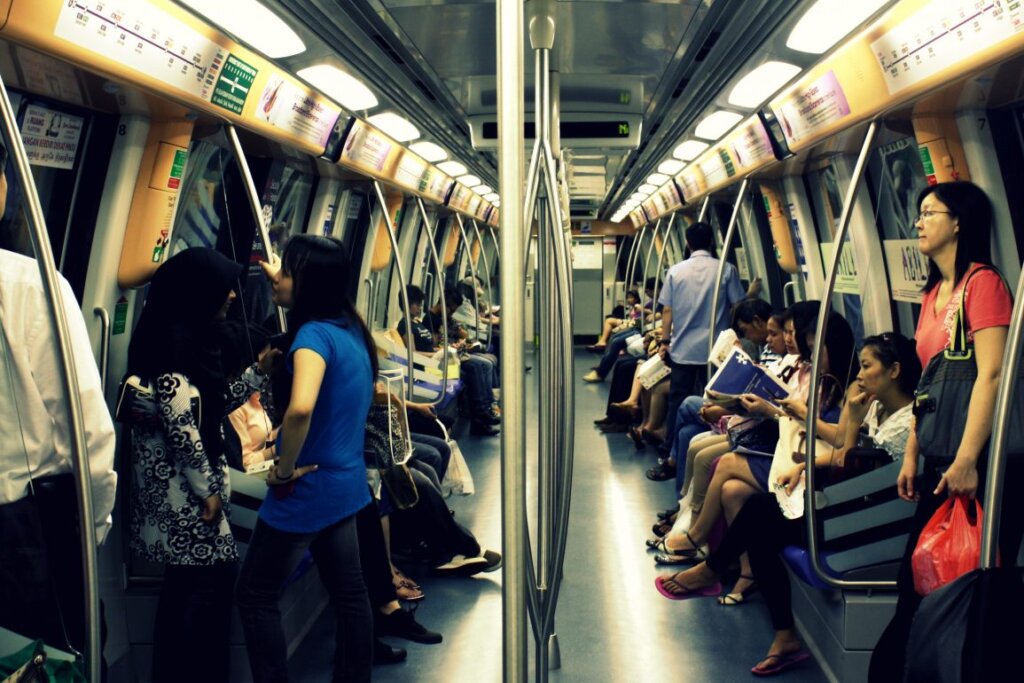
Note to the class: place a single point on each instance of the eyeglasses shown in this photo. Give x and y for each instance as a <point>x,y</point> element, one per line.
<point>928,214</point>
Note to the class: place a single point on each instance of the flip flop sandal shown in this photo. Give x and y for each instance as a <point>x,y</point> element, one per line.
<point>675,559</point>
<point>732,599</point>
<point>781,663</point>
<point>694,554</point>
<point>705,592</point>
<point>661,473</point>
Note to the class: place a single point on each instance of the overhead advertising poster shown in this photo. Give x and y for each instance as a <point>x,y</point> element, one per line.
<point>146,40</point>
<point>808,108</point>
<point>474,204</point>
<point>367,149</point>
<point>49,76</point>
<point>51,137</point>
<point>908,269</point>
<point>670,197</point>
<point>434,184</point>
<point>693,183</point>
<point>846,278</point>
<point>660,203</point>
<point>742,265</point>
<point>650,208</point>
<point>410,170</point>
<point>714,169</point>
<point>943,34</point>
<point>301,112</point>
<point>751,146</point>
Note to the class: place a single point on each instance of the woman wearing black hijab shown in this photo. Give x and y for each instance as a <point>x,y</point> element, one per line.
<point>179,475</point>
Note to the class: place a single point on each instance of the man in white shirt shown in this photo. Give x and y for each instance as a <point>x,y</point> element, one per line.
<point>40,544</point>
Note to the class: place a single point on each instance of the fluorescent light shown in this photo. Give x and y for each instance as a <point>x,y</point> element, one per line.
<point>761,83</point>
<point>253,24</point>
<point>398,127</point>
<point>647,189</point>
<point>429,151</point>
<point>671,167</point>
<point>638,197</point>
<point>689,150</point>
<point>469,181</point>
<point>657,179</point>
<point>483,190</point>
<point>715,125</point>
<point>339,85</point>
<point>492,197</point>
<point>497,204</point>
<point>827,22</point>
<point>452,168</point>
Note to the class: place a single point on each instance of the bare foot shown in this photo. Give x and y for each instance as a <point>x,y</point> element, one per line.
<point>694,578</point>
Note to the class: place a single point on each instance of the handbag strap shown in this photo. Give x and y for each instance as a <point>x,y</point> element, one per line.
<point>959,346</point>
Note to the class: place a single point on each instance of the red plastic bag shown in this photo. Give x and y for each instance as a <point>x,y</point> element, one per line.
<point>949,545</point>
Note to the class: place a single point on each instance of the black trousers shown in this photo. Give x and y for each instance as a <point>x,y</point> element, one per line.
<point>373,556</point>
<point>41,577</point>
<point>685,380</point>
<point>889,659</point>
<point>761,531</point>
<point>622,380</point>
<point>191,635</point>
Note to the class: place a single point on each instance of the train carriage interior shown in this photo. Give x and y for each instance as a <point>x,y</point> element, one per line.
<point>563,222</point>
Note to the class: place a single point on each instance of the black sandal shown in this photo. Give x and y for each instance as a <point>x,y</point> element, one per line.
<point>661,472</point>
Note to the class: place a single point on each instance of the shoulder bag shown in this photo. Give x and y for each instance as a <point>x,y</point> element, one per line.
<point>385,438</point>
<point>943,395</point>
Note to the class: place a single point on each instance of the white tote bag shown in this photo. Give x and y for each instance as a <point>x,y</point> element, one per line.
<point>458,480</point>
<point>791,436</point>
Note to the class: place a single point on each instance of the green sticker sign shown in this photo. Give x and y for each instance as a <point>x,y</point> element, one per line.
<point>177,169</point>
<point>120,316</point>
<point>233,84</point>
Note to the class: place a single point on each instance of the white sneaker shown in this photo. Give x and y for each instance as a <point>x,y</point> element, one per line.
<point>592,376</point>
<point>460,565</point>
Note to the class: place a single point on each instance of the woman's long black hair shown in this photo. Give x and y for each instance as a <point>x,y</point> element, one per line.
<point>320,270</point>
<point>969,204</point>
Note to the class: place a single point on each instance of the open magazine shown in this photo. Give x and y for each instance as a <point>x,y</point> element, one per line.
<point>738,375</point>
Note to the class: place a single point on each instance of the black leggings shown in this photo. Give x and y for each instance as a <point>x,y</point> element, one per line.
<point>761,531</point>
<point>373,556</point>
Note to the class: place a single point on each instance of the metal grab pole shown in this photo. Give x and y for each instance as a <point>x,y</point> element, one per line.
<point>995,484</point>
<point>810,514</point>
<point>410,347</point>
<point>254,204</point>
<point>650,248</point>
<point>661,255</point>
<point>704,209</point>
<point>69,383</point>
<point>369,301</point>
<point>435,257</point>
<point>497,250</point>
<point>509,32</point>
<point>472,271</point>
<point>104,344</point>
<point>730,233</point>
<point>634,254</point>
<point>487,280</point>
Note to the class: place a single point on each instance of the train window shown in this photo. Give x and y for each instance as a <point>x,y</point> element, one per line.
<point>1008,138</point>
<point>825,196</point>
<point>61,140</point>
<point>895,176</point>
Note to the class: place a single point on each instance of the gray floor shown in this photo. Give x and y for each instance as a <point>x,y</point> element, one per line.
<point>612,624</point>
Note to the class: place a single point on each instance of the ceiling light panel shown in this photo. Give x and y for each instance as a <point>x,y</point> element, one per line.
<point>429,151</point>
<point>469,181</point>
<point>671,167</point>
<point>827,22</point>
<point>253,24</point>
<point>647,190</point>
<point>715,125</point>
<point>398,127</point>
<point>340,86</point>
<point>761,83</point>
<point>483,190</point>
<point>689,150</point>
<point>452,168</point>
<point>657,179</point>
<point>491,197</point>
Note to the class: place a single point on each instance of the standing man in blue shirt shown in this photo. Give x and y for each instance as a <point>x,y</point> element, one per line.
<point>686,298</point>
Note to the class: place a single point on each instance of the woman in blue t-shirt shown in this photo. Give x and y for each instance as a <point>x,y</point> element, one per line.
<point>319,481</point>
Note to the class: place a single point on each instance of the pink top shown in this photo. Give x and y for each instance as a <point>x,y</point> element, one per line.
<point>988,304</point>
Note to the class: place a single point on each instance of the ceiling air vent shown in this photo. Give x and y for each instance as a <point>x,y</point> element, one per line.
<point>702,53</point>
<point>384,45</point>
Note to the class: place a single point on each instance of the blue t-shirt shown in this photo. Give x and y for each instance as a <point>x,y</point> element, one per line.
<point>337,489</point>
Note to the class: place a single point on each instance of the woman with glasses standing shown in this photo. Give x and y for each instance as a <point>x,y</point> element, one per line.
<point>954,230</point>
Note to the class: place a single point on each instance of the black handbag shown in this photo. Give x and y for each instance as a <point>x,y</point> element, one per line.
<point>385,438</point>
<point>760,437</point>
<point>943,395</point>
<point>958,634</point>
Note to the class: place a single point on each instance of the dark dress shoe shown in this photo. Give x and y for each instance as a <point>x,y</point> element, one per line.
<point>661,472</point>
<point>385,654</point>
<point>478,428</point>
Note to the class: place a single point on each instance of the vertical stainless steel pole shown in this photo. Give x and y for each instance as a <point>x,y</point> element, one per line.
<point>487,279</point>
<point>254,203</point>
<point>513,434</point>
<point>69,383</point>
<point>704,208</point>
<point>650,248</point>
<point>810,513</point>
<point>435,257</point>
<point>661,254</point>
<point>730,232</point>
<point>994,484</point>
<point>410,347</point>
<point>634,255</point>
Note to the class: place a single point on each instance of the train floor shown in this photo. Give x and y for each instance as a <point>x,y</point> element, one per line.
<point>612,625</point>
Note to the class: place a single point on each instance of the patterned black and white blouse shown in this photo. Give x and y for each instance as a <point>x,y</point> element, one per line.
<point>171,476</point>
